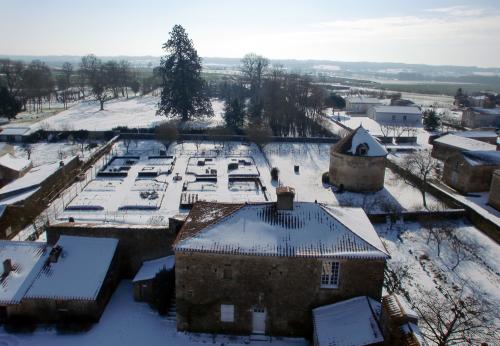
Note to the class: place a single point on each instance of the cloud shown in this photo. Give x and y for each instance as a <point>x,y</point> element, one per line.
<point>459,11</point>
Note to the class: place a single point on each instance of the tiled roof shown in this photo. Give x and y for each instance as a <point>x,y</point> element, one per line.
<point>309,230</point>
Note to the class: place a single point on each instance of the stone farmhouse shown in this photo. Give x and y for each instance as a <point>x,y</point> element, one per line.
<point>359,105</point>
<point>72,280</point>
<point>357,162</point>
<point>475,117</point>
<point>261,268</point>
<point>471,171</point>
<point>451,144</point>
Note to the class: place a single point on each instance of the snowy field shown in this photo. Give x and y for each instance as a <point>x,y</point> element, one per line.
<point>44,152</point>
<point>136,112</point>
<point>478,268</point>
<point>125,322</point>
<point>314,160</point>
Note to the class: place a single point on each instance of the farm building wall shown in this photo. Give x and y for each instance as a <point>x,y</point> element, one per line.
<point>465,178</point>
<point>286,288</point>
<point>357,173</point>
<point>474,119</point>
<point>494,199</point>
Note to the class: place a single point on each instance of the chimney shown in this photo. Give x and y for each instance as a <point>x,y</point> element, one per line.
<point>285,196</point>
<point>7,267</point>
<point>55,253</point>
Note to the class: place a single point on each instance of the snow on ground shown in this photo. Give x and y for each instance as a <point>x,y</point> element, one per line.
<point>479,270</point>
<point>125,322</point>
<point>314,160</point>
<point>44,152</point>
<point>135,112</point>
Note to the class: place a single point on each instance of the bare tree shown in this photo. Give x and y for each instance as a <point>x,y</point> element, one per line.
<point>462,251</point>
<point>456,318</point>
<point>438,233</point>
<point>259,134</point>
<point>28,149</point>
<point>419,165</point>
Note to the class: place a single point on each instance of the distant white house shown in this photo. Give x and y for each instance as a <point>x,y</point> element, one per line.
<point>475,117</point>
<point>360,104</point>
<point>408,115</point>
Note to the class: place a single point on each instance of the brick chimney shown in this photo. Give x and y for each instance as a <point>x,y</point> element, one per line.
<point>285,196</point>
<point>7,266</point>
<point>55,253</point>
<point>399,323</point>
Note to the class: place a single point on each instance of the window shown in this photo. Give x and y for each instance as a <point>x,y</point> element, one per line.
<point>227,313</point>
<point>330,274</point>
<point>228,272</point>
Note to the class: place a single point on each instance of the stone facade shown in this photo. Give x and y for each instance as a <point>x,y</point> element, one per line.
<point>494,199</point>
<point>286,289</point>
<point>481,117</point>
<point>357,173</point>
<point>137,243</point>
<point>464,177</point>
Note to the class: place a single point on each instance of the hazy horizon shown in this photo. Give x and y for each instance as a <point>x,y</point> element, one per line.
<point>443,32</point>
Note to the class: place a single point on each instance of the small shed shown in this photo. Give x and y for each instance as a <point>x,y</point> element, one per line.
<point>352,322</point>
<point>143,280</point>
<point>471,171</point>
<point>12,167</point>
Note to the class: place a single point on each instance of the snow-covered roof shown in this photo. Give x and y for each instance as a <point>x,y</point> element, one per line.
<point>349,144</point>
<point>32,179</point>
<point>14,163</point>
<point>398,109</point>
<point>79,271</point>
<point>464,143</point>
<point>476,134</point>
<point>482,158</point>
<point>350,322</point>
<point>309,230</point>
<point>14,131</point>
<point>27,259</point>
<point>488,111</point>
<point>361,99</point>
<point>149,269</point>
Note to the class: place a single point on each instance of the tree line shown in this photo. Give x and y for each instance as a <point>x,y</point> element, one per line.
<point>263,97</point>
<point>28,87</point>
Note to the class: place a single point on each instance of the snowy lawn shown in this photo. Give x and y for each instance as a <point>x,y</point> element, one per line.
<point>44,152</point>
<point>135,112</point>
<point>314,160</point>
<point>126,322</point>
<point>478,268</point>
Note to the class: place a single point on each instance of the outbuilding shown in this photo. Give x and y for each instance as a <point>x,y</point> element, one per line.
<point>357,162</point>
<point>143,280</point>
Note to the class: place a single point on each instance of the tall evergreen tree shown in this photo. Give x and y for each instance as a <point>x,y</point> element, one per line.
<point>431,120</point>
<point>183,90</point>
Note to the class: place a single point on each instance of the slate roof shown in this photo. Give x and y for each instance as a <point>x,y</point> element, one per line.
<point>309,230</point>
<point>349,144</point>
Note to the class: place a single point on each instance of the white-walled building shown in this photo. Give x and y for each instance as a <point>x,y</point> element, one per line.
<point>360,104</point>
<point>408,115</point>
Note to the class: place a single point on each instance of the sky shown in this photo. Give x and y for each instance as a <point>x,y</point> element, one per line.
<point>437,32</point>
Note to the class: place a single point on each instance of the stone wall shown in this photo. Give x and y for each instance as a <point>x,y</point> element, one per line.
<point>287,288</point>
<point>442,151</point>
<point>473,119</point>
<point>357,173</point>
<point>18,216</point>
<point>494,199</point>
<point>137,243</point>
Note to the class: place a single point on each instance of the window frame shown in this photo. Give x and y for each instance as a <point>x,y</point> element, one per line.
<point>326,280</point>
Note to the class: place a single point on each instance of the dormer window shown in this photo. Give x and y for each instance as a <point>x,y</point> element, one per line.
<point>362,149</point>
